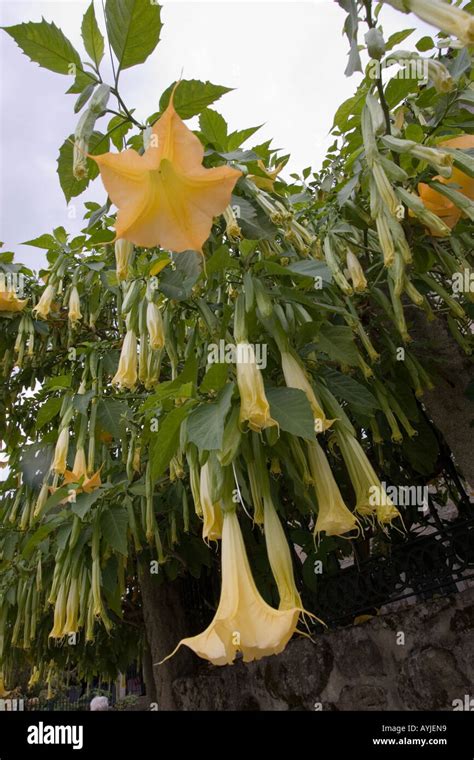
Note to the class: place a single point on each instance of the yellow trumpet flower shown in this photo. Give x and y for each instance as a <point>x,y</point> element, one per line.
<point>243,622</point>
<point>166,197</point>
<point>74,314</point>
<point>254,407</point>
<point>371,498</point>
<point>356,273</point>
<point>154,324</point>
<point>126,375</point>
<point>295,377</point>
<point>279,556</point>
<point>79,470</point>
<point>43,307</point>
<point>9,300</point>
<point>334,518</point>
<point>60,452</point>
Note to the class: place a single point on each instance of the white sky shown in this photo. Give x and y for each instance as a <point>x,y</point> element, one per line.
<point>286,60</point>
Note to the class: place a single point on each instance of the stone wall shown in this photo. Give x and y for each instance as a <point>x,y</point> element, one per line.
<point>417,658</point>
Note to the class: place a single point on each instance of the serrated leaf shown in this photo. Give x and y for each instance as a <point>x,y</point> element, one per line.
<point>43,241</point>
<point>134,28</point>
<point>236,139</point>
<point>214,128</point>
<point>44,43</point>
<point>72,187</point>
<point>290,408</point>
<point>114,526</point>
<point>92,36</point>
<point>192,96</point>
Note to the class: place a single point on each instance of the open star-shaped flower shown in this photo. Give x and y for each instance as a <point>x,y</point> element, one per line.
<point>166,196</point>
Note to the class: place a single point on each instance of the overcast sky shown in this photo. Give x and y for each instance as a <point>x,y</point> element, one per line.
<point>286,60</point>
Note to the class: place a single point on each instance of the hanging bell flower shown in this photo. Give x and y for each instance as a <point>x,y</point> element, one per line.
<point>74,314</point>
<point>254,407</point>
<point>371,498</point>
<point>154,323</point>
<point>60,452</point>
<point>43,307</point>
<point>243,622</point>
<point>295,377</point>
<point>126,375</point>
<point>334,518</point>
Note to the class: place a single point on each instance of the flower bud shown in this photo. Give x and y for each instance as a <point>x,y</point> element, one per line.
<point>154,324</point>
<point>123,253</point>
<point>356,273</point>
<point>375,43</point>
<point>74,314</point>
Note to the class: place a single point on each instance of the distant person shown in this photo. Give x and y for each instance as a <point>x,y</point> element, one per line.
<point>99,703</point>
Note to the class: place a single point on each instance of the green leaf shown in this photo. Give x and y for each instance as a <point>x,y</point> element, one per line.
<point>117,128</point>
<point>134,28</point>
<point>114,526</point>
<point>165,442</point>
<point>397,38</point>
<point>205,425</point>
<point>338,343</point>
<point>214,128</point>
<point>91,34</point>
<point>236,139</point>
<point>84,97</point>
<point>348,389</point>
<point>40,534</point>
<point>109,413</point>
<point>45,44</point>
<point>220,260</point>
<point>81,401</point>
<point>43,241</point>
<point>399,87</point>
<point>58,381</point>
<point>192,96</point>
<point>426,43</point>
<point>72,187</point>
<point>215,378</point>
<point>291,409</point>
<point>252,220</point>
<point>178,283</point>
<point>84,502</point>
<point>49,410</point>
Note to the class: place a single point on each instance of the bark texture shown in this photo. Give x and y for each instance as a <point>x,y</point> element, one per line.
<point>166,622</point>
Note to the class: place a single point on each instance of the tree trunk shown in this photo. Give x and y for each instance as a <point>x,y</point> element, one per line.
<point>166,623</point>
<point>447,405</point>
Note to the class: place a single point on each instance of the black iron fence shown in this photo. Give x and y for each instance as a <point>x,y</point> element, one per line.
<point>437,562</point>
